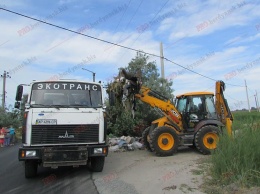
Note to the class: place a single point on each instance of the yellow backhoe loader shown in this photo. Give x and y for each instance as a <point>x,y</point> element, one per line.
<point>193,120</point>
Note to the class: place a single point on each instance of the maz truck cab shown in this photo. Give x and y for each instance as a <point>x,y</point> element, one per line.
<point>64,124</point>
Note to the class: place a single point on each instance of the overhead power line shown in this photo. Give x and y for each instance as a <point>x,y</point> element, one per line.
<point>189,69</point>
<point>151,20</point>
<point>154,17</point>
<point>120,40</point>
<point>134,14</point>
<point>112,43</point>
<point>123,15</point>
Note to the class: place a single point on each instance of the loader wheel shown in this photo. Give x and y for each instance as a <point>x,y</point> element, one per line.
<point>206,139</point>
<point>145,139</point>
<point>164,141</point>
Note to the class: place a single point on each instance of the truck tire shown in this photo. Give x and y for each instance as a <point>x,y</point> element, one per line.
<point>97,163</point>
<point>30,167</point>
<point>206,139</point>
<point>164,141</point>
<point>144,137</point>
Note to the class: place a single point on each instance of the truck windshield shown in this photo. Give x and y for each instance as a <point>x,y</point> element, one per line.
<point>66,94</point>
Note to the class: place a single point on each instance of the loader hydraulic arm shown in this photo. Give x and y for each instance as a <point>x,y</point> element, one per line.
<point>154,99</point>
<point>222,108</point>
<point>133,87</point>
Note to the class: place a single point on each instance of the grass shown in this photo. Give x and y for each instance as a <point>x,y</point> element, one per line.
<point>197,171</point>
<point>186,188</point>
<point>237,159</point>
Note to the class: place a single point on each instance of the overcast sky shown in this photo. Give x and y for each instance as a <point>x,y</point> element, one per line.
<point>218,39</point>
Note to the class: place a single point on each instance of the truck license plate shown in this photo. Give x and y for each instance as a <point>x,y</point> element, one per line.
<point>46,122</point>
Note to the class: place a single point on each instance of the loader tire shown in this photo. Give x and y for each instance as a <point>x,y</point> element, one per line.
<point>206,139</point>
<point>145,140</point>
<point>164,141</point>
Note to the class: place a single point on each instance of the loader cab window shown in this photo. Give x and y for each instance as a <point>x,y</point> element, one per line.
<point>195,104</point>
<point>195,108</point>
<point>181,104</point>
<point>210,107</point>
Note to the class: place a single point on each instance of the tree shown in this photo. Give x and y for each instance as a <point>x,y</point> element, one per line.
<point>151,79</point>
<point>120,120</point>
<point>13,116</point>
<point>149,75</point>
<point>8,118</point>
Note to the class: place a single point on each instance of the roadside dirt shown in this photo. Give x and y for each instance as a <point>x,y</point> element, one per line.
<point>143,172</point>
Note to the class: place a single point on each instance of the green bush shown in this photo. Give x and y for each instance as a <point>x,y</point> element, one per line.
<point>237,159</point>
<point>121,122</point>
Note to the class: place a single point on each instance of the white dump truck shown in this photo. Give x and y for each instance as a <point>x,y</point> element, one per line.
<point>64,124</point>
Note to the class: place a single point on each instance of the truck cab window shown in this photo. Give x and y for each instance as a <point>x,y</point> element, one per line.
<point>66,94</point>
<point>96,98</point>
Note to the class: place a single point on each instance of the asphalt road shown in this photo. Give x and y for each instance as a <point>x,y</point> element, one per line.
<point>134,172</point>
<point>62,180</point>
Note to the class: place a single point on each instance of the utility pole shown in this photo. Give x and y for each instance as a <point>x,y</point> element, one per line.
<point>162,60</point>
<point>257,101</point>
<point>4,76</point>
<point>247,98</point>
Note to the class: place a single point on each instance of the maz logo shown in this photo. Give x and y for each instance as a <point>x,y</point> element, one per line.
<point>66,135</point>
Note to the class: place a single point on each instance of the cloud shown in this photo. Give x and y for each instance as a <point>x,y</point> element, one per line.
<point>57,51</point>
<point>68,50</point>
<point>245,39</point>
<point>205,18</point>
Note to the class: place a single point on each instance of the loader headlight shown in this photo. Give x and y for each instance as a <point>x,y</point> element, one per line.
<point>98,150</point>
<point>30,153</point>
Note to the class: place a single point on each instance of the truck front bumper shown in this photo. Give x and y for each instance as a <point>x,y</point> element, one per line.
<point>54,156</point>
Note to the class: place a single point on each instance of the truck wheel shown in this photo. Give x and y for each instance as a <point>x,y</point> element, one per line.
<point>206,139</point>
<point>97,163</point>
<point>30,168</point>
<point>164,141</point>
<point>145,140</point>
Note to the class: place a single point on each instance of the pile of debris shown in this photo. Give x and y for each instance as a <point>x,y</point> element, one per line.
<point>125,143</point>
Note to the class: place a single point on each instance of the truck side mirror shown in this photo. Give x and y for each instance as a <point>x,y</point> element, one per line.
<point>17,105</point>
<point>19,93</point>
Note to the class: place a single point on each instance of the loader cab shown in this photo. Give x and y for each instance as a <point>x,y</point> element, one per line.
<point>195,107</point>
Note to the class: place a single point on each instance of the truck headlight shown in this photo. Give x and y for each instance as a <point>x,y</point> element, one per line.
<point>98,150</point>
<point>30,153</point>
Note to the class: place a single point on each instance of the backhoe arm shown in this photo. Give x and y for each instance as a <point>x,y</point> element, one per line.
<point>222,108</point>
